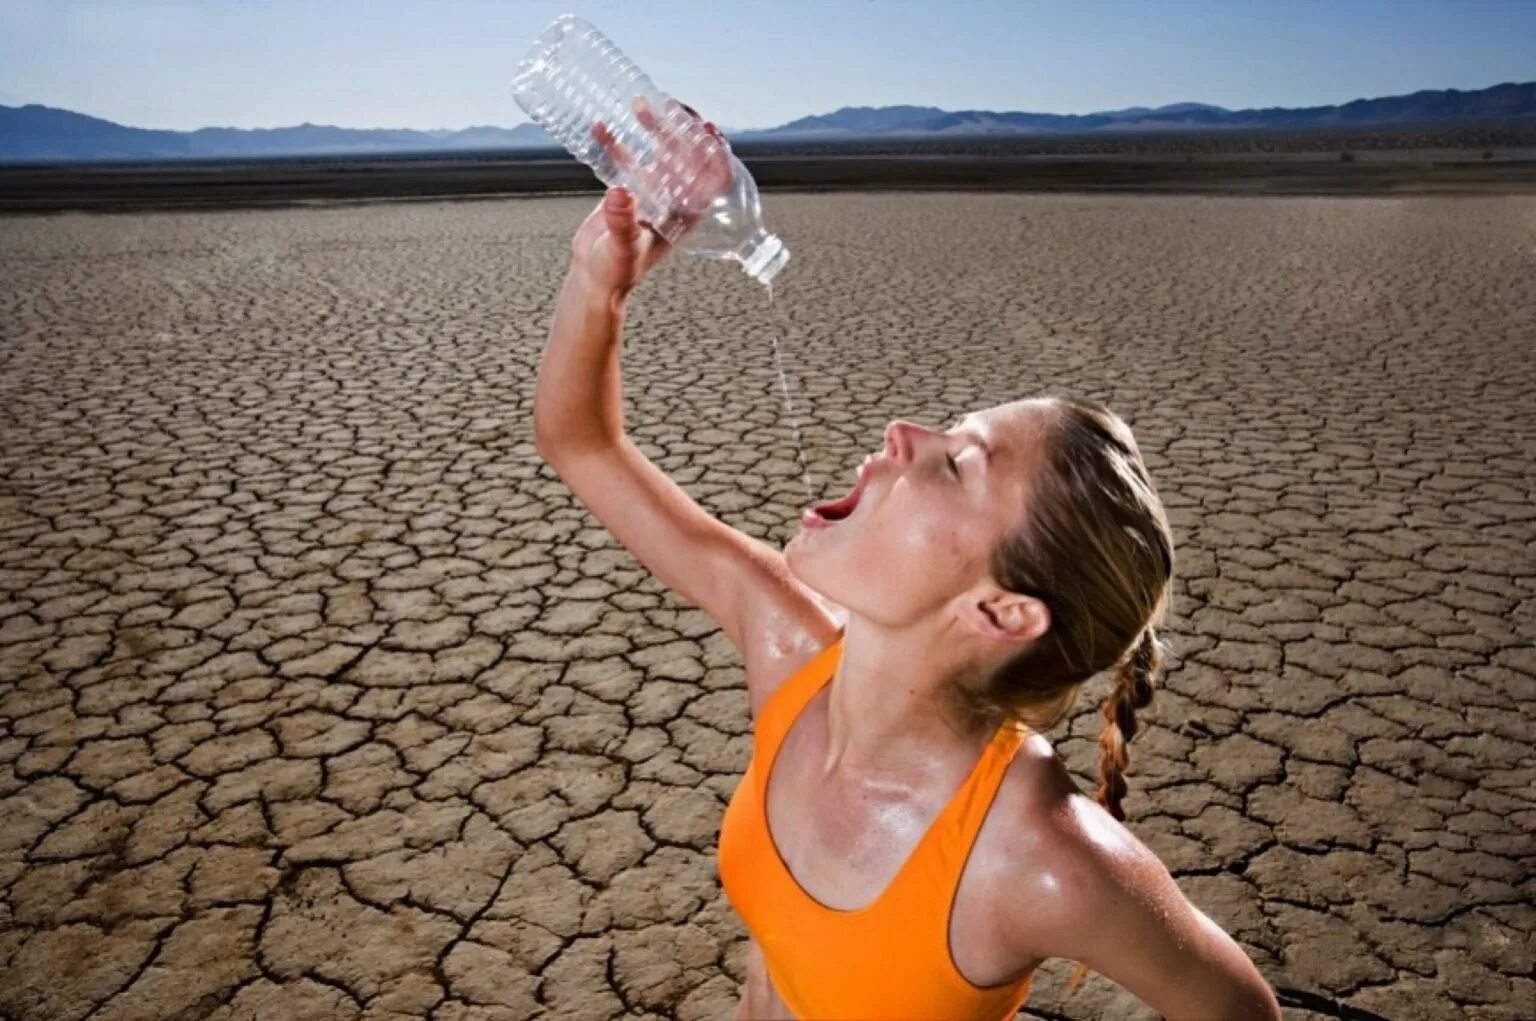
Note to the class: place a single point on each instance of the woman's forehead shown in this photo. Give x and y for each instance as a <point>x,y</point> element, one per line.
<point>1022,418</point>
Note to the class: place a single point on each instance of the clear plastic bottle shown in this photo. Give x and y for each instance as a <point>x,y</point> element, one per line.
<point>573,78</point>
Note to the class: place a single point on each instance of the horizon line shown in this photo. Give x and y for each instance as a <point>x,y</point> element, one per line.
<point>739,129</point>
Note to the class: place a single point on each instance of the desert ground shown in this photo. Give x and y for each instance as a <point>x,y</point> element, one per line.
<point>321,697</point>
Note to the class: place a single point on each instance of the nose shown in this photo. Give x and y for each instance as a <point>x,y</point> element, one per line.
<point>901,439</point>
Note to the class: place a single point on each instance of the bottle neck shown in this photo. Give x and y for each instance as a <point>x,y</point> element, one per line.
<point>762,255</point>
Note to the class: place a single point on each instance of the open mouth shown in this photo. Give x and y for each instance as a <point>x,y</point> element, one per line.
<point>837,510</point>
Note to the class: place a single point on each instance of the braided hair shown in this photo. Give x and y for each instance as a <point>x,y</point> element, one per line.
<point>1133,690</point>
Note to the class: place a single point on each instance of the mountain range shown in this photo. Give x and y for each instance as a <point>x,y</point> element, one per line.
<point>45,133</point>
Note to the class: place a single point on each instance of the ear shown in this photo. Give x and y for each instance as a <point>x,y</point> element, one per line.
<point>993,612</point>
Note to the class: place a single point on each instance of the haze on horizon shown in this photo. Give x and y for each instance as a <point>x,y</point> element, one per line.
<point>411,64</point>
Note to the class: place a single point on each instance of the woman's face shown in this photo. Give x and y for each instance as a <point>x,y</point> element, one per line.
<point>931,507</point>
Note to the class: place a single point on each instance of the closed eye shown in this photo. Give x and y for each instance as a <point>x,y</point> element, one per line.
<point>954,464</point>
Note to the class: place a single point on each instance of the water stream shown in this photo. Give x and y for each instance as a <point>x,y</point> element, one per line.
<point>794,420</point>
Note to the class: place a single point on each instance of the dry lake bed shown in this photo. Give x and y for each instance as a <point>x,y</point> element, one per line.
<point>320,696</point>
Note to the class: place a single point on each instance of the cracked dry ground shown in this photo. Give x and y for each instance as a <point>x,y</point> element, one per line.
<point>322,698</point>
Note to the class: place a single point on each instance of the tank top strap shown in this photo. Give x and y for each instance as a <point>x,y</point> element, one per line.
<point>972,801</point>
<point>784,705</point>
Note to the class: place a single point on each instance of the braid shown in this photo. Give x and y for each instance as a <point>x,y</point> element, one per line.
<point>1133,691</point>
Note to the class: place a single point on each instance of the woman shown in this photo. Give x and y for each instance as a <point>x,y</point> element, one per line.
<point>922,851</point>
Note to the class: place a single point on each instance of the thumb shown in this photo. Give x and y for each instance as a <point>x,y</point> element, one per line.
<point>619,213</point>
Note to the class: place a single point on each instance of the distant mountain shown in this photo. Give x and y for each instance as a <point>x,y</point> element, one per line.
<point>859,119</point>
<point>44,133</point>
<point>1141,111</point>
<point>1501,102</point>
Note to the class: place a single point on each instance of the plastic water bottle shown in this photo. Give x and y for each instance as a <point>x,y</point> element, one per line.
<point>574,78</point>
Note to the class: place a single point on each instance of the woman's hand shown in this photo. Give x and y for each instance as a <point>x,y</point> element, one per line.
<point>614,249</point>
<point>610,250</point>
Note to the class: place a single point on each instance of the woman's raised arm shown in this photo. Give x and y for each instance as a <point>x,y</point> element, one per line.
<point>579,430</point>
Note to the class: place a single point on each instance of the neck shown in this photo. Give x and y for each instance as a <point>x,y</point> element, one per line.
<point>890,712</point>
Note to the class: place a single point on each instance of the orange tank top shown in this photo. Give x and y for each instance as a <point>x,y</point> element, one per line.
<point>889,959</point>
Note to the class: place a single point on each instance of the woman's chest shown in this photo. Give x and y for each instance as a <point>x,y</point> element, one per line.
<point>842,842</point>
<point>846,845</point>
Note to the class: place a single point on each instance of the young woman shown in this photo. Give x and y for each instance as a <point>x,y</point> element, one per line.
<point>920,850</point>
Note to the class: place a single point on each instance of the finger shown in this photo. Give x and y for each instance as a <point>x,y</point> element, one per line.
<point>708,151</point>
<point>619,214</point>
<point>710,128</point>
<point>645,115</point>
<point>678,113</point>
<point>611,145</point>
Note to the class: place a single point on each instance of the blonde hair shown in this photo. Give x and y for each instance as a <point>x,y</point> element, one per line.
<point>1097,550</point>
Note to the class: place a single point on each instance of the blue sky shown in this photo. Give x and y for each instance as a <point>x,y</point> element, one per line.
<point>414,63</point>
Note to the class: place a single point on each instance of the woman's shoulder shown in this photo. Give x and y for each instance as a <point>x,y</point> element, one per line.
<point>1056,851</point>
<point>1086,889</point>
